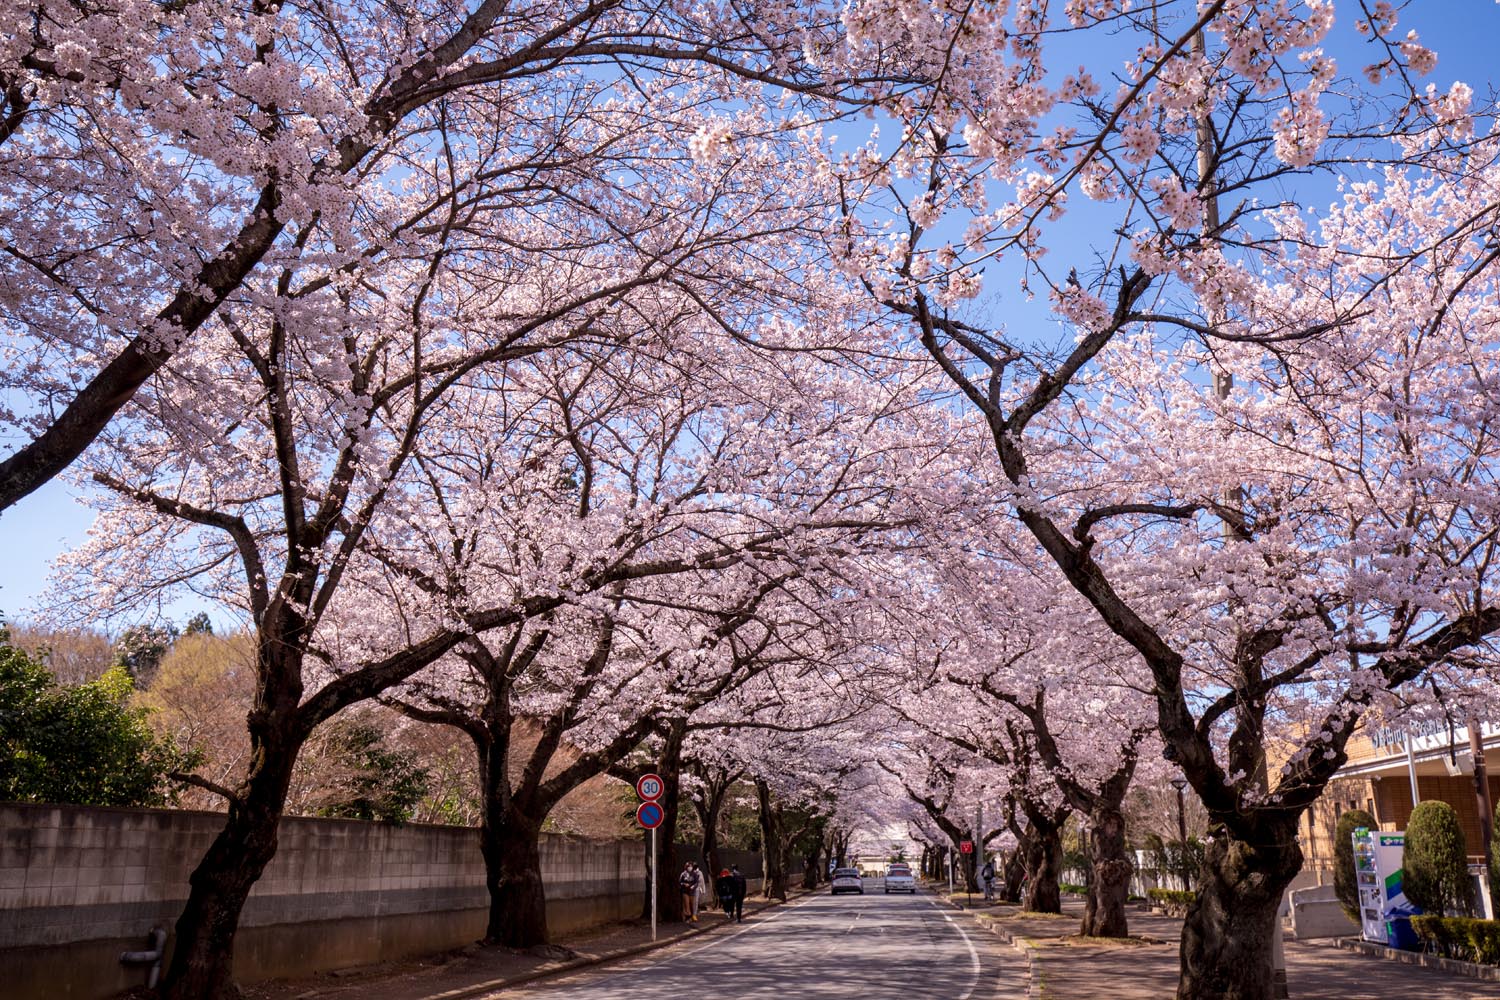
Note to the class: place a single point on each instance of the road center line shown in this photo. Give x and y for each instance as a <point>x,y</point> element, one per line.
<point>717,939</point>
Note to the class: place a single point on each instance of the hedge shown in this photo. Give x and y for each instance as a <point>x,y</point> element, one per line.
<point>1465,938</point>
<point>1174,901</point>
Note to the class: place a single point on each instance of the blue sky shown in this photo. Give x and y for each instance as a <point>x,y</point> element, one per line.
<point>41,527</point>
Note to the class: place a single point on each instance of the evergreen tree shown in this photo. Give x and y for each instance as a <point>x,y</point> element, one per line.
<point>1435,862</point>
<point>78,743</point>
<point>1345,880</point>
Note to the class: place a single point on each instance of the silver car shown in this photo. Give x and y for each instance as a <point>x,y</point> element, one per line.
<point>898,878</point>
<point>847,880</point>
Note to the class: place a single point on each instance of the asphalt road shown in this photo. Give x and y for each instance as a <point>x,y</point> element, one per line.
<point>870,947</point>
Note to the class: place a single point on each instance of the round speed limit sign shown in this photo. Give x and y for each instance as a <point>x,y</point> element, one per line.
<point>650,787</point>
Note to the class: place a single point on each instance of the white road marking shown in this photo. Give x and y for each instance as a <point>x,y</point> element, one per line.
<point>974,963</point>
<point>671,955</point>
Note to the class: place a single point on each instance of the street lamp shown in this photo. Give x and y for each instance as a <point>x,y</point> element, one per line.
<point>1180,783</point>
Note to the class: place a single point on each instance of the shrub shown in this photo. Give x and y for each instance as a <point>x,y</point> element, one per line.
<point>1434,933</point>
<point>80,743</point>
<point>1463,938</point>
<point>1077,890</point>
<point>1484,939</point>
<point>1345,880</point>
<point>368,778</point>
<point>1173,857</point>
<point>1436,867</point>
<point>1174,901</point>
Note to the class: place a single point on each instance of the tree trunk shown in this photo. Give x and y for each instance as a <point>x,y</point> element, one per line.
<point>1227,938</point>
<point>202,966</point>
<point>1104,915</point>
<point>513,876</point>
<point>810,876</point>
<point>1015,873</point>
<point>1043,870</point>
<point>709,818</point>
<point>509,838</point>
<point>771,848</point>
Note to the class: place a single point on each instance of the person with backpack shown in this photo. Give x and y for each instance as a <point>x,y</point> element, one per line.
<point>725,892</point>
<point>690,884</point>
<point>988,874</point>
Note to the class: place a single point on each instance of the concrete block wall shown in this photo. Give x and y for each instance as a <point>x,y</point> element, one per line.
<point>78,885</point>
<point>1316,913</point>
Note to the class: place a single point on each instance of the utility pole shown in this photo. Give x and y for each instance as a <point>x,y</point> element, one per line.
<point>1482,792</point>
<point>1411,770</point>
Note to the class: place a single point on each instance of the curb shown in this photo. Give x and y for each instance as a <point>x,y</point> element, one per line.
<point>1487,973</point>
<point>1023,946</point>
<point>603,958</point>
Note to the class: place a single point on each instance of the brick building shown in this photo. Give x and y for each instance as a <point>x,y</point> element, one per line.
<point>1377,779</point>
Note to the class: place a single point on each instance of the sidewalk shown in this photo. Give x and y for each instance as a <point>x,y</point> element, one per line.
<point>473,970</point>
<point>1066,967</point>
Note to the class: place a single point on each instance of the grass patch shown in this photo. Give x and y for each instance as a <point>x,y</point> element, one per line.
<point>1082,940</point>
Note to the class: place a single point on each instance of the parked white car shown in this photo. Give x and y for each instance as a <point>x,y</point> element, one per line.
<point>898,878</point>
<point>847,880</point>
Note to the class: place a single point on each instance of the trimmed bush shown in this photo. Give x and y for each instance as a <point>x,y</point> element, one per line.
<point>1435,934</point>
<point>1462,938</point>
<point>1345,881</point>
<point>1436,866</point>
<point>1174,901</point>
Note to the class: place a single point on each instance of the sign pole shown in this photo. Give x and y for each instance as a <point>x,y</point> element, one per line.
<point>650,815</point>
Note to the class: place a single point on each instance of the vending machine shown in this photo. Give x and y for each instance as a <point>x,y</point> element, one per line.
<point>1383,907</point>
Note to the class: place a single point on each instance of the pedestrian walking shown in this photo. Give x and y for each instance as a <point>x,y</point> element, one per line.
<point>989,881</point>
<point>690,884</point>
<point>737,892</point>
<point>725,892</point>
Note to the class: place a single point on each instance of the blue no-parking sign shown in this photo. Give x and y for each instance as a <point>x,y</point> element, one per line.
<point>650,815</point>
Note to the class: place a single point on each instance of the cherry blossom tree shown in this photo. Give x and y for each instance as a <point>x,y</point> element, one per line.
<point>155,160</point>
<point>945,792</point>
<point>1047,683</point>
<point>750,474</point>
<point>319,398</point>
<point>1222,459</point>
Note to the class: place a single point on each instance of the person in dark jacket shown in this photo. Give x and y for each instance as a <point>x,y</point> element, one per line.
<point>737,892</point>
<point>725,892</point>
